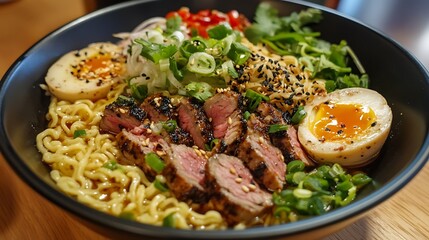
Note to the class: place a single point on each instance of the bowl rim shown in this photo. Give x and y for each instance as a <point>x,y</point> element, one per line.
<point>69,204</point>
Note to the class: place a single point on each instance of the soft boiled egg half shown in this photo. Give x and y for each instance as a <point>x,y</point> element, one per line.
<point>89,73</point>
<point>347,126</point>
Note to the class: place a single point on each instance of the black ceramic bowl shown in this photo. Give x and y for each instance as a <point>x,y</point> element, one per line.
<point>393,72</point>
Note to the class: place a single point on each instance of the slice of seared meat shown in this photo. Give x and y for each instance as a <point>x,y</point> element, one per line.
<point>286,141</point>
<point>235,193</point>
<point>219,108</point>
<point>158,107</point>
<point>185,173</point>
<point>193,120</point>
<point>234,133</point>
<point>265,161</point>
<point>224,111</point>
<point>269,114</point>
<point>135,144</point>
<point>180,136</point>
<point>121,114</point>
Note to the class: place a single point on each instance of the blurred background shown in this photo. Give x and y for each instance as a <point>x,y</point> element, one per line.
<point>26,215</point>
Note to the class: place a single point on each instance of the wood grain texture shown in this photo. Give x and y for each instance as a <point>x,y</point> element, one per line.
<point>24,214</point>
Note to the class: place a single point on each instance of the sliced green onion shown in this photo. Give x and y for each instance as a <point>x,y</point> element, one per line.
<point>178,74</point>
<point>238,53</point>
<point>201,63</point>
<point>154,51</point>
<point>154,162</point>
<point>169,221</point>
<point>246,115</point>
<point>360,179</point>
<point>212,144</point>
<point>112,165</point>
<point>190,47</point>
<point>255,98</point>
<point>277,128</point>
<point>79,133</point>
<point>220,31</point>
<point>127,215</point>
<point>295,166</point>
<point>173,24</point>
<point>160,185</point>
<point>169,125</point>
<point>302,193</point>
<point>164,64</point>
<point>298,177</point>
<point>199,90</point>
<point>299,115</point>
<point>138,91</point>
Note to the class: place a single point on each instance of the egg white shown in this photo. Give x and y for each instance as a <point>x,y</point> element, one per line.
<point>65,85</point>
<point>357,150</point>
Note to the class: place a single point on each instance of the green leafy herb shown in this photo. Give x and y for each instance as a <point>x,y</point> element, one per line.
<point>79,133</point>
<point>292,35</point>
<point>154,162</point>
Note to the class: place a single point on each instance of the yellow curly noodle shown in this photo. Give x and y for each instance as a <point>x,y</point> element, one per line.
<point>77,169</point>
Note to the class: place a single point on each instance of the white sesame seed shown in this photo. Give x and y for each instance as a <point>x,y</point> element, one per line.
<point>232,170</point>
<point>245,189</point>
<point>238,180</point>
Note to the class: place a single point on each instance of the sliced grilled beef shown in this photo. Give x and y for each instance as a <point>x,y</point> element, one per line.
<point>134,146</point>
<point>219,108</point>
<point>265,161</point>
<point>180,136</point>
<point>286,141</point>
<point>225,113</point>
<point>121,114</point>
<point>158,107</point>
<point>193,120</point>
<point>235,193</point>
<point>185,173</point>
<point>234,133</point>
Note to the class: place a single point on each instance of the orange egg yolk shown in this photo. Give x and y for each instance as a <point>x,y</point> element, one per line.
<point>101,66</point>
<point>335,121</point>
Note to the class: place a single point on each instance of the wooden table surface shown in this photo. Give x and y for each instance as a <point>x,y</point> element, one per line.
<point>24,214</point>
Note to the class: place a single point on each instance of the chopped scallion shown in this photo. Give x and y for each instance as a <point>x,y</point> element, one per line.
<point>154,162</point>
<point>79,133</point>
<point>277,128</point>
<point>169,221</point>
<point>160,185</point>
<point>299,115</point>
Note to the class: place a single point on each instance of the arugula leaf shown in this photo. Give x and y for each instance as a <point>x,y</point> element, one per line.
<point>292,35</point>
